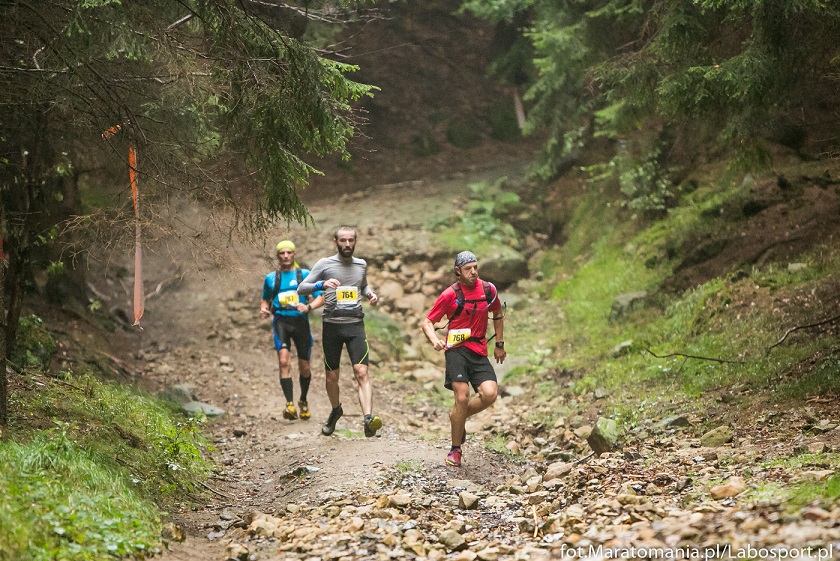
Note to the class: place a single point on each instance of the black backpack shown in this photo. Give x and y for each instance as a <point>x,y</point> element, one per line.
<point>276,291</point>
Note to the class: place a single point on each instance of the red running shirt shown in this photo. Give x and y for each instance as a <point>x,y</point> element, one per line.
<point>472,321</point>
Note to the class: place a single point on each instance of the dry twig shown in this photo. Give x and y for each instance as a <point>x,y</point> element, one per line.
<point>797,328</point>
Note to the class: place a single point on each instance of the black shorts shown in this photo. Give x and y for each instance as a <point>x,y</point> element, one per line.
<point>337,335</point>
<point>464,365</point>
<point>293,328</point>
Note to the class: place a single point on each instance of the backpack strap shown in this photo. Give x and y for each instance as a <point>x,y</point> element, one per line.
<point>276,291</point>
<point>460,301</point>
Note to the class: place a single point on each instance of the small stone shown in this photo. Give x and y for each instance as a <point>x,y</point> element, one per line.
<point>817,447</point>
<point>452,540</point>
<point>513,447</point>
<point>225,360</point>
<point>466,555</point>
<point>735,486</point>
<point>236,552</point>
<point>604,436</point>
<point>172,532</point>
<point>467,501</point>
<point>399,501</point>
<point>558,470</point>
<point>815,513</point>
<point>675,421</point>
<point>489,554</point>
<point>583,431</point>
<point>239,432</point>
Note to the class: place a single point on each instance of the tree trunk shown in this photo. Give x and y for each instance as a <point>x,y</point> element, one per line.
<point>4,392</point>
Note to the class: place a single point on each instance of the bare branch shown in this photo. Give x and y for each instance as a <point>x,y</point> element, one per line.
<point>797,328</point>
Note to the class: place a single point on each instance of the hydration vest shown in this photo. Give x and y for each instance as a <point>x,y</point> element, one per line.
<point>461,302</point>
<point>276,291</point>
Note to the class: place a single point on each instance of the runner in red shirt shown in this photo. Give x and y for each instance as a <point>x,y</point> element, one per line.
<point>467,304</point>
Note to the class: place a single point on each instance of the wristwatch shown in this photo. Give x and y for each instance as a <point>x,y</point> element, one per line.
<point>500,344</point>
<point>308,308</point>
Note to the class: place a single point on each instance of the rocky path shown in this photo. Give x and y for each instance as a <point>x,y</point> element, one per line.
<point>285,492</point>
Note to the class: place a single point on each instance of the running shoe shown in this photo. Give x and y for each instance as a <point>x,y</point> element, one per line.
<point>335,415</point>
<point>304,410</point>
<point>372,424</point>
<point>454,457</point>
<point>290,412</point>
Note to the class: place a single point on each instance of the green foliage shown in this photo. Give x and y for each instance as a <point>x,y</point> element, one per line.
<point>481,226</point>
<point>387,335</point>
<point>727,72</point>
<point>603,258</point>
<point>463,133</point>
<point>34,346</point>
<point>498,444</point>
<point>163,452</point>
<point>59,500</point>
<point>90,488</point>
<point>188,85</point>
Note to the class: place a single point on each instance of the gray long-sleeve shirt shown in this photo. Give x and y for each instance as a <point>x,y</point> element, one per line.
<point>342,305</point>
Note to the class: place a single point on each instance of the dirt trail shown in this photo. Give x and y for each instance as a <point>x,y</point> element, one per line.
<point>206,332</point>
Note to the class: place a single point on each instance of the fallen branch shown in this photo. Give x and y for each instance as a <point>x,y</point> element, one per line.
<point>206,486</point>
<point>697,357</point>
<point>797,328</point>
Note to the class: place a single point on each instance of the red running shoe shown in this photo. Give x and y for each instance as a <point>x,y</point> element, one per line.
<point>454,457</point>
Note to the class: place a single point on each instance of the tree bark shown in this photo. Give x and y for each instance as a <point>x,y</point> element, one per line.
<point>4,391</point>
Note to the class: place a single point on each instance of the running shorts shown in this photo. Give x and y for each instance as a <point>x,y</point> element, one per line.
<point>293,328</point>
<point>337,335</point>
<point>465,365</point>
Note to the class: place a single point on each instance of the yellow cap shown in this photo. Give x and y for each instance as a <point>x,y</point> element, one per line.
<point>285,244</point>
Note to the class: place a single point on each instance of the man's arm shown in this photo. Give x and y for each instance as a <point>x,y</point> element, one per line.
<point>368,291</point>
<point>316,303</point>
<point>265,309</point>
<point>431,336</point>
<point>499,325</point>
<point>313,280</point>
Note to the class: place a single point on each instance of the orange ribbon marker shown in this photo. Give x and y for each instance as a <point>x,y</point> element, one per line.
<point>139,294</point>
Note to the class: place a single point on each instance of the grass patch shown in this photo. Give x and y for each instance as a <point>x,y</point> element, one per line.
<point>87,465</point>
<point>498,444</point>
<point>386,334</point>
<point>734,318</point>
<point>406,466</point>
<point>62,501</point>
<point>480,227</point>
<point>349,434</point>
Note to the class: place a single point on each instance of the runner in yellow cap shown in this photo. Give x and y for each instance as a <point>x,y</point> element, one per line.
<point>291,323</point>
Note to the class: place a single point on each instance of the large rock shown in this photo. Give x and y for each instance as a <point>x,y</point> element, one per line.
<point>503,266</point>
<point>179,393</point>
<point>716,437</point>
<point>193,407</point>
<point>390,291</point>
<point>626,303</point>
<point>604,436</point>
<point>415,303</point>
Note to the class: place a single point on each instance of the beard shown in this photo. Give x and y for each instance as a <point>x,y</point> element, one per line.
<point>346,251</point>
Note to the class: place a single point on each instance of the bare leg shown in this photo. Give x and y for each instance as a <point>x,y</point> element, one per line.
<point>486,396</point>
<point>284,358</point>
<point>365,389</point>
<point>459,413</point>
<point>332,387</point>
<point>304,368</point>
